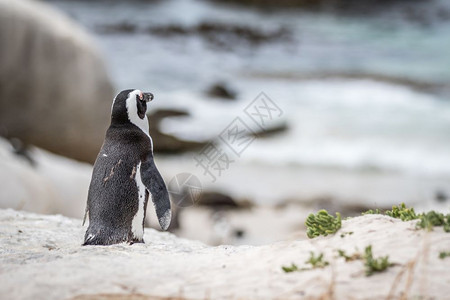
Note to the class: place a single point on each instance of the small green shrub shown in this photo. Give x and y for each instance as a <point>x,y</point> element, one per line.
<point>371,264</point>
<point>291,268</point>
<point>426,220</point>
<point>372,212</point>
<point>322,224</point>
<point>314,261</point>
<point>447,223</point>
<point>317,261</point>
<point>354,256</point>
<point>374,265</point>
<point>430,219</point>
<point>398,212</point>
<point>346,233</point>
<point>402,212</point>
<point>443,254</point>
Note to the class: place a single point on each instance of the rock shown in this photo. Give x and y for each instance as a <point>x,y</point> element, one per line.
<point>123,27</point>
<point>212,201</point>
<point>346,6</point>
<point>50,184</point>
<point>42,258</point>
<point>170,30</point>
<point>272,130</point>
<point>167,143</point>
<point>441,196</point>
<point>54,89</point>
<point>216,200</point>
<point>23,150</point>
<point>221,90</point>
<point>219,201</point>
<point>225,35</point>
<point>219,35</point>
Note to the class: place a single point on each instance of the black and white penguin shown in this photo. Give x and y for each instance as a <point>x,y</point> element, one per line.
<point>124,176</point>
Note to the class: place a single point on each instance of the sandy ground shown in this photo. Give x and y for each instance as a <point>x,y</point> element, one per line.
<point>41,258</point>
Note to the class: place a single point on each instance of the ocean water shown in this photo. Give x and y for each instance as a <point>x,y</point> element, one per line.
<point>359,94</point>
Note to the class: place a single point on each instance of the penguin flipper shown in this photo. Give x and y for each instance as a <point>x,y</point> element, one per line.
<point>85,215</point>
<point>154,183</point>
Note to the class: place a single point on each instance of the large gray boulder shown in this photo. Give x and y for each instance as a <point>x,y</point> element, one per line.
<point>54,89</point>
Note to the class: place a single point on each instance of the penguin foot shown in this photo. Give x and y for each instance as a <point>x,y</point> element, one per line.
<point>104,237</point>
<point>137,241</point>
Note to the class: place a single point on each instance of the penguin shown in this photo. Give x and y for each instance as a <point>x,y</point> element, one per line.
<point>125,176</point>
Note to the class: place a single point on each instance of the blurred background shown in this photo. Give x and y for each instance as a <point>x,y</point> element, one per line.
<point>359,90</point>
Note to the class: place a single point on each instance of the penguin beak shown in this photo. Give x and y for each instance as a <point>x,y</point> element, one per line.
<point>148,97</point>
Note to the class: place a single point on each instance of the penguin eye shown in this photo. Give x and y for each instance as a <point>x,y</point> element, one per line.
<point>140,98</point>
<point>141,106</point>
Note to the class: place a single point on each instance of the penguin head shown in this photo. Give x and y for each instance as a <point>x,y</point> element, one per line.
<point>130,106</point>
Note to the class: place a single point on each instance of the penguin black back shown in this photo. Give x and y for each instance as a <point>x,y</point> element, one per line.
<point>125,176</point>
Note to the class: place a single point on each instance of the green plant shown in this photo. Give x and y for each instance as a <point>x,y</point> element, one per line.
<point>314,261</point>
<point>322,224</point>
<point>443,254</point>
<point>291,268</point>
<point>402,212</point>
<point>374,265</point>
<point>372,212</point>
<point>430,219</point>
<point>354,256</point>
<point>346,233</point>
<point>426,220</point>
<point>447,223</point>
<point>317,261</point>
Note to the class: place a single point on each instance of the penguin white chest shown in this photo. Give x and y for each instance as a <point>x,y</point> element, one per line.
<point>137,225</point>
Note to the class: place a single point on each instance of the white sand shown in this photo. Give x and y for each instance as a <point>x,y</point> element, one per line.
<point>41,258</point>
